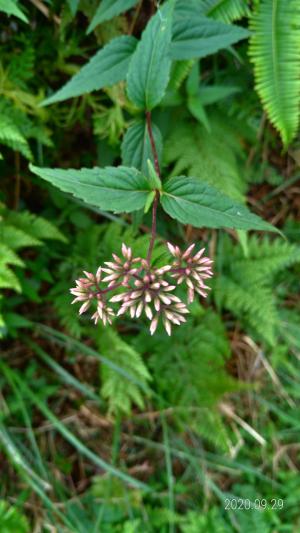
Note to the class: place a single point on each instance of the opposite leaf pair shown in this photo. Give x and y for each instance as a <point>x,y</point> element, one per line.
<point>126,189</point>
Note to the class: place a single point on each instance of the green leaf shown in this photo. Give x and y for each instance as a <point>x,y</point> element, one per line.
<point>194,202</point>
<point>11,520</point>
<point>11,136</point>
<point>10,7</point>
<point>8,280</point>
<point>196,108</point>
<point>109,9</point>
<point>195,35</point>
<point>154,179</point>
<point>73,4</point>
<point>225,10</point>
<point>67,434</point>
<point>136,147</point>
<point>119,392</point>
<point>193,80</point>
<point>118,189</point>
<point>107,67</point>
<point>149,201</point>
<point>275,52</point>
<point>194,152</point>
<point>209,94</point>
<point>149,69</point>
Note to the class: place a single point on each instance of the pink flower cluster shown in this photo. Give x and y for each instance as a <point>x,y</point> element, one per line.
<point>140,289</point>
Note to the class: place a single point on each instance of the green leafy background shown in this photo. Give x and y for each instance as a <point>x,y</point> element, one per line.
<point>109,430</point>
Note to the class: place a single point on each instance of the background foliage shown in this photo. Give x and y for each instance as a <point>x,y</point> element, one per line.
<point>108,429</point>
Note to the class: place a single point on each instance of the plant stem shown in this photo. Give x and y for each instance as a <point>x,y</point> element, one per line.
<point>156,199</point>
<point>152,142</point>
<point>108,289</point>
<point>153,229</point>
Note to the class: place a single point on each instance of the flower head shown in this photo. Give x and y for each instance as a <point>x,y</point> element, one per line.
<point>191,269</point>
<point>121,268</point>
<point>170,314</point>
<point>87,290</point>
<point>144,289</point>
<point>150,291</point>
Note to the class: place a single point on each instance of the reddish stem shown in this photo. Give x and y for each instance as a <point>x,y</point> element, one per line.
<point>152,142</point>
<point>156,199</point>
<point>153,229</point>
<point>108,289</point>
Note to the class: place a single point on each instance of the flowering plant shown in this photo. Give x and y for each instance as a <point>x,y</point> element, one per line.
<point>131,284</point>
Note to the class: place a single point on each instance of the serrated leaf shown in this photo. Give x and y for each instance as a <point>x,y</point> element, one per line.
<point>8,256</point>
<point>109,9</point>
<point>8,280</point>
<point>195,35</point>
<point>37,227</point>
<point>11,136</point>
<point>136,147</point>
<point>118,189</point>
<point>194,202</point>
<point>16,238</point>
<point>149,69</point>
<point>10,7</point>
<point>107,67</point>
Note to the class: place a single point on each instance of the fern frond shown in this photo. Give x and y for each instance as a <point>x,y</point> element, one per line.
<point>192,150</point>
<point>65,311</point>
<point>208,423</point>
<point>37,227</point>
<point>245,287</point>
<point>254,304</point>
<point>254,521</point>
<point>16,238</point>
<point>27,127</point>
<point>193,360</point>
<point>225,10</point>
<point>266,257</point>
<point>179,72</point>
<point>210,522</point>
<point>275,53</point>
<point>21,66</point>
<point>11,136</point>
<point>9,257</point>
<point>8,279</point>
<point>120,392</point>
<point>20,230</point>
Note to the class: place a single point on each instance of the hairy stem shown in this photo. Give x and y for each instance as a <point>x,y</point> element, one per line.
<point>153,229</point>
<point>152,142</point>
<point>156,199</point>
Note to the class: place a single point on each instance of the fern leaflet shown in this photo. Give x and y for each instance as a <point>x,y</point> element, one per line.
<point>275,52</point>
